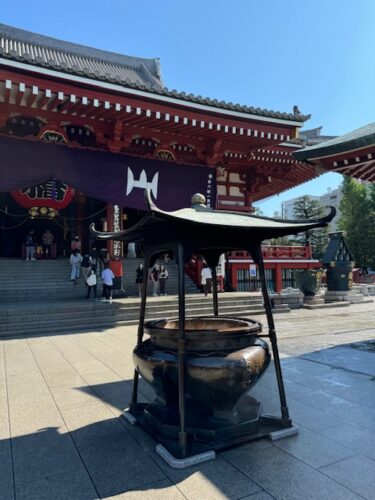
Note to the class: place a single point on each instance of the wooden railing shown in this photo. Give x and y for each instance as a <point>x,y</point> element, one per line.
<point>277,252</point>
<point>270,252</point>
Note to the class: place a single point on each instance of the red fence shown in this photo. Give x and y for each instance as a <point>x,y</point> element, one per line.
<point>277,252</point>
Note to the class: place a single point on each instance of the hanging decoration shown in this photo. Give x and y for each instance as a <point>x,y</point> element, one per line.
<point>45,200</point>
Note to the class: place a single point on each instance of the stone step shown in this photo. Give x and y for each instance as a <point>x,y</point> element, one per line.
<point>95,311</point>
<point>50,280</point>
<point>80,314</point>
<point>134,304</point>
<point>50,327</point>
<point>13,316</point>
<point>59,290</point>
<point>326,305</point>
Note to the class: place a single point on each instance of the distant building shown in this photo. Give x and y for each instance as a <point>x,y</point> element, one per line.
<point>313,136</point>
<point>331,198</point>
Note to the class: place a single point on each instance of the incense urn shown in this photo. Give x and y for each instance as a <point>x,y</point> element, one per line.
<point>224,359</point>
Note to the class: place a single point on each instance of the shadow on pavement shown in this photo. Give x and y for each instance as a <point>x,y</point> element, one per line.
<point>103,455</point>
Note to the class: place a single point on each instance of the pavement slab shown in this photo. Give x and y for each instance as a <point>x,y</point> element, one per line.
<point>160,490</point>
<point>62,435</point>
<point>217,479</point>
<point>75,485</point>
<point>313,449</point>
<point>43,453</point>
<point>286,477</point>
<point>356,473</point>
<point>354,437</point>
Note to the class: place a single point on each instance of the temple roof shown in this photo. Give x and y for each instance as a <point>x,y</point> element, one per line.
<point>45,51</point>
<point>131,72</point>
<point>357,139</point>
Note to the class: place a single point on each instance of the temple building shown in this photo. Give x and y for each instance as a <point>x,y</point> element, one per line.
<point>83,131</point>
<point>351,154</point>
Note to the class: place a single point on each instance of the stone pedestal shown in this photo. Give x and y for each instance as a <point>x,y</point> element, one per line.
<point>292,297</point>
<point>343,296</point>
<point>365,289</point>
<point>313,300</point>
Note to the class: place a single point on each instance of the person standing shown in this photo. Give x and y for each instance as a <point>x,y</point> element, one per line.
<point>206,279</point>
<point>154,277</point>
<point>163,276</point>
<point>76,244</point>
<point>86,265</point>
<point>139,276</point>
<point>107,277</point>
<point>30,246</point>
<point>75,261</point>
<point>47,239</point>
<point>91,282</point>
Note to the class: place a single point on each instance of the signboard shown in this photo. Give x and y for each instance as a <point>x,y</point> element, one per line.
<point>253,271</point>
<point>114,223</point>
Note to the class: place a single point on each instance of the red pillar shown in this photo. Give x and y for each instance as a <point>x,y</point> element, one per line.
<point>278,278</point>
<point>233,271</point>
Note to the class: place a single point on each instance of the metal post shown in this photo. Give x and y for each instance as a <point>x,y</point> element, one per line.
<point>214,292</point>
<point>182,438</point>
<point>141,323</point>
<point>273,339</point>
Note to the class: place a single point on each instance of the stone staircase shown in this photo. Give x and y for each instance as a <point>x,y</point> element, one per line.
<point>37,298</point>
<point>131,289</point>
<point>40,280</point>
<point>82,315</point>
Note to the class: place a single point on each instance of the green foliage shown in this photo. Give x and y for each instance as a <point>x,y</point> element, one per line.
<point>306,208</point>
<point>357,209</point>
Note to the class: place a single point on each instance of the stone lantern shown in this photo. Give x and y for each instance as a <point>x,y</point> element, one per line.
<point>339,262</point>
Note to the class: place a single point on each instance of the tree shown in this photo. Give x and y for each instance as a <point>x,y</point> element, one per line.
<point>357,209</point>
<point>307,208</point>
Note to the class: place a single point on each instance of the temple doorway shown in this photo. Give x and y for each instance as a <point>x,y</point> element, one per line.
<point>17,221</point>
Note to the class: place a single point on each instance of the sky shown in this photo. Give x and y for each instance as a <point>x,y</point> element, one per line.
<point>270,54</point>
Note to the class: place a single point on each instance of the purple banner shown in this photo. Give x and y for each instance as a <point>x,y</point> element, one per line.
<point>114,178</point>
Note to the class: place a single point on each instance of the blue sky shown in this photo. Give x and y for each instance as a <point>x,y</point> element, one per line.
<point>271,53</point>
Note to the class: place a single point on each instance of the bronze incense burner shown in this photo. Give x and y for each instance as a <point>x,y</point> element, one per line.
<point>202,369</point>
<point>225,358</point>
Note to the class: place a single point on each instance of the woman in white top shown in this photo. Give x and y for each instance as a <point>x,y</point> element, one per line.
<point>107,277</point>
<point>206,279</point>
<point>75,261</point>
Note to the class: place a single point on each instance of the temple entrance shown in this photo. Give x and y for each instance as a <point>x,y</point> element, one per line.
<point>17,221</point>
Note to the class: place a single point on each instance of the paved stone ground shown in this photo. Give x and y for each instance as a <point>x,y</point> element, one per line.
<point>61,436</point>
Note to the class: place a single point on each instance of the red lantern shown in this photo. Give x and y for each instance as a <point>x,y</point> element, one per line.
<point>53,194</point>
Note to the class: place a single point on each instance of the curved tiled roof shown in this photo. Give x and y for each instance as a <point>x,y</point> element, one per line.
<point>131,72</point>
<point>69,57</point>
<point>357,139</point>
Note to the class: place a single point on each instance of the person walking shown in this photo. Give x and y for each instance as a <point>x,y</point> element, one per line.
<point>47,239</point>
<point>76,244</point>
<point>75,261</point>
<point>139,276</point>
<point>86,265</point>
<point>163,276</point>
<point>30,246</point>
<point>91,282</point>
<point>206,279</point>
<point>107,277</point>
<point>154,277</point>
